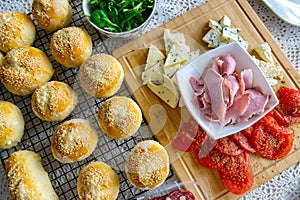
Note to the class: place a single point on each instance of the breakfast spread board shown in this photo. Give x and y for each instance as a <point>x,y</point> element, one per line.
<point>165,121</point>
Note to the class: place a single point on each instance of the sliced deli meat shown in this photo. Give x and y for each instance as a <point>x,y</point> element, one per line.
<point>229,96</point>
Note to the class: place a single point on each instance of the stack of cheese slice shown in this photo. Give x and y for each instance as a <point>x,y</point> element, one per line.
<point>160,69</point>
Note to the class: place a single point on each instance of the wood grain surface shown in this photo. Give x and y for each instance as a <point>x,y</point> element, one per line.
<point>165,121</point>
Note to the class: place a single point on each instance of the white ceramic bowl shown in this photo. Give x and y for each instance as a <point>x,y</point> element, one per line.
<point>196,67</point>
<point>125,34</point>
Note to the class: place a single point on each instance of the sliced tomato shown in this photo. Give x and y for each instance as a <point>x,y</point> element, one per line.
<point>228,146</point>
<point>283,121</point>
<point>236,164</point>
<point>213,160</point>
<point>271,140</point>
<point>190,137</point>
<point>289,102</point>
<point>238,183</point>
<point>177,195</point>
<point>181,194</point>
<point>244,141</point>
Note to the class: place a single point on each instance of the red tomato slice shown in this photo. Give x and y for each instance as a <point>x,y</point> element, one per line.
<point>236,164</point>
<point>289,102</point>
<point>244,141</point>
<point>238,183</point>
<point>179,194</point>
<point>228,146</point>
<point>271,140</point>
<point>213,160</point>
<point>190,137</point>
<point>283,121</point>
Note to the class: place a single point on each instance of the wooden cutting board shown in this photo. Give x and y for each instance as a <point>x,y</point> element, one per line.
<point>165,121</point>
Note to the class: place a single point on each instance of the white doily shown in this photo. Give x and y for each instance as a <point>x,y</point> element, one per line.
<point>283,186</point>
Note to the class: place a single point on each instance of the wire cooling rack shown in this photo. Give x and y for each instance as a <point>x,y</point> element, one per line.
<point>38,133</point>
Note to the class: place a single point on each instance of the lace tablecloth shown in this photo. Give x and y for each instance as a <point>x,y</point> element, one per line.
<point>285,185</point>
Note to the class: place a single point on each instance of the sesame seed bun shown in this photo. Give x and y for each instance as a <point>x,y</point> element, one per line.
<point>101,75</point>
<point>24,69</point>
<point>52,15</point>
<point>16,30</point>
<point>119,117</point>
<point>11,125</point>
<point>53,101</point>
<point>27,179</point>
<point>74,140</point>
<point>98,181</point>
<point>71,46</point>
<point>147,165</point>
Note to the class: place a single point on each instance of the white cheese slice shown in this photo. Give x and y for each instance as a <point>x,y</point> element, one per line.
<point>170,70</point>
<point>178,54</point>
<point>264,51</point>
<point>154,56</point>
<point>154,74</point>
<point>172,38</point>
<point>167,91</point>
<point>192,55</point>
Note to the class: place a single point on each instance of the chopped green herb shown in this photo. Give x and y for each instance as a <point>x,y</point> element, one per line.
<point>119,15</point>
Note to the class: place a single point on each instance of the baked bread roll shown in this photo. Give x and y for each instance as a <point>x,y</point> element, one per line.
<point>74,140</point>
<point>147,165</point>
<point>27,179</point>
<point>52,15</point>
<point>24,69</point>
<point>119,117</point>
<point>16,30</point>
<point>71,46</point>
<point>53,101</point>
<point>98,181</point>
<point>11,125</point>
<point>101,75</point>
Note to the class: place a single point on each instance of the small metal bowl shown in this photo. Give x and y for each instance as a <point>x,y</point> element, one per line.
<point>125,34</point>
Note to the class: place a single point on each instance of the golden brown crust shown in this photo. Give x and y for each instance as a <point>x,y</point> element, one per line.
<point>101,75</point>
<point>119,117</point>
<point>71,46</point>
<point>53,101</point>
<point>27,179</point>
<point>52,15</point>
<point>24,69</point>
<point>98,181</point>
<point>147,165</point>
<point>11,125</point>
<point>74,140</point>
<point>16,30</point>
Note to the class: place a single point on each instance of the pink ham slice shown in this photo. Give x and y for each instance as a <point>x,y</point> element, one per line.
<point>214,81</point>
<point>228,64</point>
<point>257,105</point>
<point>247,76</point>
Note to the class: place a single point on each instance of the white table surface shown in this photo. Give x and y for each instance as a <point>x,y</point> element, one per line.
<point>285,185</point>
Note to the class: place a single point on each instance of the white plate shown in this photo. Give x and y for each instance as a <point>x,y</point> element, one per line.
<point>287,10</point>
<point>196,67</point>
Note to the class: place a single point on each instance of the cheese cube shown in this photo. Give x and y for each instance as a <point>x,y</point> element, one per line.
<point>264,51</point>
<point>230,34</point>
<point>225,21</point>
<point>212,37</point>
<point>214,25</point>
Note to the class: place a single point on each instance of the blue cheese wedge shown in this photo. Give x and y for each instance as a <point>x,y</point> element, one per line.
<point>167,91</point>
<point>272,72</point>
<point>154,56</point>
<point>243,42</point>
<point>264,51</point>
